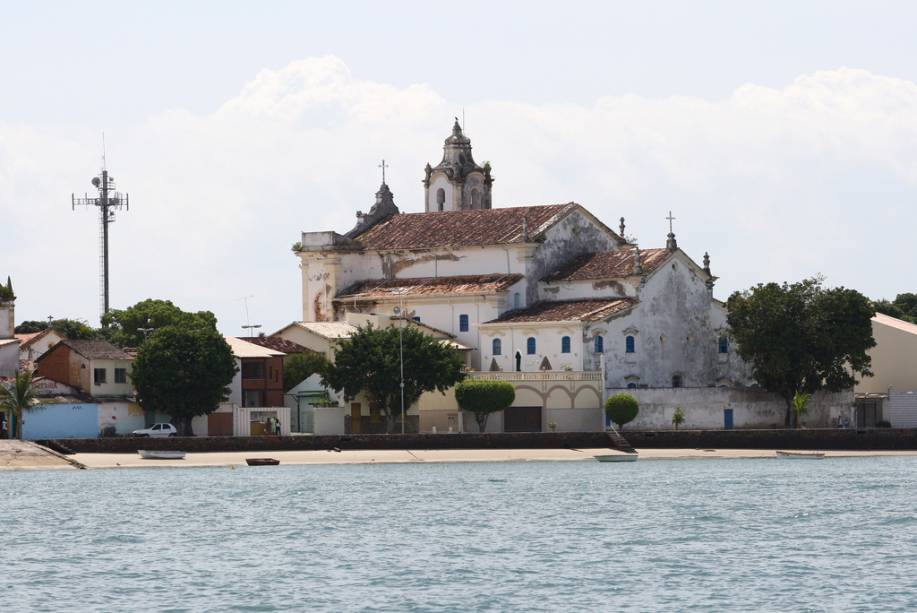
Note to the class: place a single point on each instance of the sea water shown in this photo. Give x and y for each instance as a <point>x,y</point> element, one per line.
<point>740,535</point>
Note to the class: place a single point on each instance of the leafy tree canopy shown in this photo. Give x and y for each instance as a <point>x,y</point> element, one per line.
<point>128,327</point>
<point>6,291</point>
<point>18,396</point>
<point>368,362</point>
<point>183,372</point>
<point>904,306</point>
<point>300,366</point>
<point>802,337</point>
<point>483,398</point>
<point>76,329</point>
<point>621,408</point>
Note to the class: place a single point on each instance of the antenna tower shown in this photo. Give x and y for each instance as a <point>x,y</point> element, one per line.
<point>107,202</point>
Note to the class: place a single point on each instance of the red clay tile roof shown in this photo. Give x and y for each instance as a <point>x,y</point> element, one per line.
<point>26,339</point>
<point>608,265</point>
<point>276,343</point>
<point>92,350</point>
<point>462,228</point>
<point>428,286</point>
<point>567,310</point>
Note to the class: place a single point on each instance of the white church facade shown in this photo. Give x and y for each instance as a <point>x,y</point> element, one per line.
<point>547,297</point>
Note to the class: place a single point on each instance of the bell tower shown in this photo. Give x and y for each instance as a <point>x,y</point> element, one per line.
<point>457,182</point>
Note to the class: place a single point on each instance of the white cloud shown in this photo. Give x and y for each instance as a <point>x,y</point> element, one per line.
<point>777,183</point>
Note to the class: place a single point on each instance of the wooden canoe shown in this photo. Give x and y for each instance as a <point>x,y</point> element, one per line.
<point>151,454</point>
<point>262,461</point>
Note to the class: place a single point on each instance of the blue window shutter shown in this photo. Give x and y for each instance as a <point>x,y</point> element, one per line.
<point>629,345</point>
<point>497,348</point>
<point>463,323</point>
<point>724,344</point>
<point>530,345</point>
<point>565,344</point>
<point>599,344</point>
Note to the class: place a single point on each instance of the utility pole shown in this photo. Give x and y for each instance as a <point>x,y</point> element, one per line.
<point>107,202</point>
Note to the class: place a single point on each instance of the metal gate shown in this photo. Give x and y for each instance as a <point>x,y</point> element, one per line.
<point>902,409</point>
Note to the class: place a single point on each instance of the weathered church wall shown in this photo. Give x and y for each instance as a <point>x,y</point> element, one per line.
<point>673,333</point>
<point>704,408</point>
<point>577,290</point>
<point>573,236</point>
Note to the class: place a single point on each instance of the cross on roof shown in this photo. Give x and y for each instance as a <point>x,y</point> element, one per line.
<point>383,166</point>
<point>671,219</point>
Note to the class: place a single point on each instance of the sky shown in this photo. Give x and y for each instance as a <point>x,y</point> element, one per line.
<point>781,135</point>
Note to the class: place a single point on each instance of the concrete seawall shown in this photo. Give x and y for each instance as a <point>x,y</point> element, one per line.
<point>873,439</point>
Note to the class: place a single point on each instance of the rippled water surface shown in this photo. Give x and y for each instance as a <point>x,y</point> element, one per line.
<point>779,535</point>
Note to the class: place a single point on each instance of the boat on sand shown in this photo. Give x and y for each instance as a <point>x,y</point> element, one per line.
<point>152,454</point>
<point>801,455</point>
<point>262,461</point>
<point>617,457</point>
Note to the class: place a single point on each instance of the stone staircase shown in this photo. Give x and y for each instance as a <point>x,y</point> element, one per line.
<point>619,442</point>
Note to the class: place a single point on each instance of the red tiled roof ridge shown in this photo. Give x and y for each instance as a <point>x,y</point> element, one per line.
<point>590,309</point>
<point>614,264</point>
<point>469,227</point>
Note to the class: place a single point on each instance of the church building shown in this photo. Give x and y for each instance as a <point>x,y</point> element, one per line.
<point>546,296</point>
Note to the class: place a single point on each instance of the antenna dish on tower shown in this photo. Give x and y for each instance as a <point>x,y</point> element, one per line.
<point>96,181</point>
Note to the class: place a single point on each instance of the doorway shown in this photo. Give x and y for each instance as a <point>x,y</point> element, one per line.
<point>356,418</point>
<point>727,419</point>
<point>522,419</point>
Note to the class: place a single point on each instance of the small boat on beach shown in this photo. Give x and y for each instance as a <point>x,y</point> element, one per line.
<point>617,457</point>
<point>151,454</point>
<point>262,461</point>
<point>801,455</point>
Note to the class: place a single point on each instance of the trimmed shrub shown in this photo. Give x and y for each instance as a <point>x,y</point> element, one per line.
<point>621,408</point>
<point>483,398</point>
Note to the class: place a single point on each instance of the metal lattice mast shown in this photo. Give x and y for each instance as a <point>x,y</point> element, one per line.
<point>107,202</point>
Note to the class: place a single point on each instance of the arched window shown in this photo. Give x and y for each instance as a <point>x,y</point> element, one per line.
<point>629,345</point>
<point>496,347</point>
<point>565,344</point>
<point>599,343</point>
<point>475,198</point>
<point>440,198</point>
<point>676,381</point>
<point>724,344</point>
<point>463,323</point>
<point>631,386</point>
<point>530,346</point>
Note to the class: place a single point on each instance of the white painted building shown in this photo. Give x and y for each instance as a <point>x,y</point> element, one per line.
<point>529,289</point>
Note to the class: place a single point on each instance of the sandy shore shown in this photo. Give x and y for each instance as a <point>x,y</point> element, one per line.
<point>24,455</point>
<point>99,460</point>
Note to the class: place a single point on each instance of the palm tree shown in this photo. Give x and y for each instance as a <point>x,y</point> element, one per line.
<point>16,397</point>
<point>800,405</point>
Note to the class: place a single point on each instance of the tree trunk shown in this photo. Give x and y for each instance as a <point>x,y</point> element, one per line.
<point>389,422</point>
<point>481,418</point>
<point>184,426</point>
<point>788,418</point>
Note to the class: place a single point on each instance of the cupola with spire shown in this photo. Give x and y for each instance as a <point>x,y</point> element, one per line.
<point>457,182</point>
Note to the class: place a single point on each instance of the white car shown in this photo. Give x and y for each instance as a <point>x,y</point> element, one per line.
<point>157,430</point>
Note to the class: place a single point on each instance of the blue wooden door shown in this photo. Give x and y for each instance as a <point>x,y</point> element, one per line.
<point>727,419</point>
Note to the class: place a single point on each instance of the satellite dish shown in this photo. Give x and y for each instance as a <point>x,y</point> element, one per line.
<point>96,182</point>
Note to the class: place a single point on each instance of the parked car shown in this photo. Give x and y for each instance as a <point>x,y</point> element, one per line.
<point>157,430</point>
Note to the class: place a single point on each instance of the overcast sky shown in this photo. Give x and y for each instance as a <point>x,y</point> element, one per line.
<point>783,136</point>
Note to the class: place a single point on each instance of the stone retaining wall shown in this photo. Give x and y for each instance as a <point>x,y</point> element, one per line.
<point>534,440</point>
<point>876,439</point>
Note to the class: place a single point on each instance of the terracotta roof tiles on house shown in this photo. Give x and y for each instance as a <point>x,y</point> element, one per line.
<point>93,350</point>
<point>608,265</point>
<point>463,228</point>
<point>566,310</point>
<point>428,286</point>
<point>277,344</point>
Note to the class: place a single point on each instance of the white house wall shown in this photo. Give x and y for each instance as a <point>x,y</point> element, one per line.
<point>9,359</point>
<point>547,344</point>
<point>578,290</point>
<point>109,388</point>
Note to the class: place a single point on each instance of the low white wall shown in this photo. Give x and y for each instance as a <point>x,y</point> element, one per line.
<point>704,408</point>
<point>124,416</point>
<point>574,420</point>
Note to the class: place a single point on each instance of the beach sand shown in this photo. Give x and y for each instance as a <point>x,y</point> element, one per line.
<point>126,460</point>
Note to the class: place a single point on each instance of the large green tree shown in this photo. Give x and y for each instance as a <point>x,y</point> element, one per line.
<point>483,398</point>
<point>17,396</point>
<point>183,372</point>
<point>300,366</point>
<point>368,362</point>
<point>904,306</point>
<point>802,337</point>
<point>129,327</point>
<point>75,329</point>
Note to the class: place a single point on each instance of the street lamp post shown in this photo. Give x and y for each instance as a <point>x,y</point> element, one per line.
<point>401,353</point>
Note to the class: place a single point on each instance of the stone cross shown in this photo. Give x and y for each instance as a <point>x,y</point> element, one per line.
<point>671,219</point>
<point>383,166</point>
